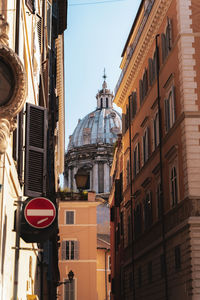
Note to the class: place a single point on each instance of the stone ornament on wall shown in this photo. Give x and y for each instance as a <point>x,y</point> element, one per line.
<point>13,91</point>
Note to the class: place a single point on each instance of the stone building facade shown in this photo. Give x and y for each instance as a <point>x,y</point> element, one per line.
<point>91,144</point>
<point>156,187</point>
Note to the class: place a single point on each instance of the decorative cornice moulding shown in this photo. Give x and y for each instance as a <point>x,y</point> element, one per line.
<point>148,36</point>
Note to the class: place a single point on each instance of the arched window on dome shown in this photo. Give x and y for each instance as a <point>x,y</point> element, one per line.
<point>101,102</point>
<point>106,102</point>
<point>100,178</point>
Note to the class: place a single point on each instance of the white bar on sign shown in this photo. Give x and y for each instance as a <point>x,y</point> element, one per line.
<point>39,212</point>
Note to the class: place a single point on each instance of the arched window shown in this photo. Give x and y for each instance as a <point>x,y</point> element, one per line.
<point>106,102</point>
<point>174,189</point>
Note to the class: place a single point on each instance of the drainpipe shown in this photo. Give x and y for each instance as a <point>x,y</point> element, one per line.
<point>18,203</point>
<point>17,248</point>
<point>131,190</point>
<point>106,286</point>
<point>161,172</point>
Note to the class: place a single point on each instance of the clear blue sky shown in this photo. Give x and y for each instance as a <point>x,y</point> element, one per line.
<point>94,40</point>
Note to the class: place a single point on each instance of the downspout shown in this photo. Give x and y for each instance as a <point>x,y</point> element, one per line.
<point>161,171</point>
<point>131,190</point>
<point>106,286</point>
<point>18,212</point>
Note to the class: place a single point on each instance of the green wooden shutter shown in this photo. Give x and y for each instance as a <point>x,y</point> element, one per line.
<point>36,151</point>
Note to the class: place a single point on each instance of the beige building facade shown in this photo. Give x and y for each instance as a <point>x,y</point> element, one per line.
<point>25,45</point>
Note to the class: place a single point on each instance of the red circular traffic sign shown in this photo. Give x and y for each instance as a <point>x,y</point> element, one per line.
<point>40,212</point>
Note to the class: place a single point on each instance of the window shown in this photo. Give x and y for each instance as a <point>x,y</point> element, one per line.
<point>174,189</point>
<point>133,104</point>
<point>146,145</point>
<point>159,201</point>
<point>143,86</point>
<point>177,257</point>
<point>136,160</point>
<point>69,290</point>
<point>137,220</point>
<point>107,102</point>
<point>153,68</point>
<point>156,130</point>
<point>166,39</point>
<point>49,23</point>
<point>70,250</point>
<point>69,217</point>
<point>127,172</point>
<point>101,177</point>
<point>148,210</point>
<point>170,110</point>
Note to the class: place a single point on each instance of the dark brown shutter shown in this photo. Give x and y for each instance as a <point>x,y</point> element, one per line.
<point>141,91</point>
<point>138,157</point>
<point>39,30</point>
<point>163,39</point>
<point>20,145</point>
<point>36,151</point>
<point>31,5</point>
<point>117,192</point>
<point>123,124</point>
<point>150,71</point>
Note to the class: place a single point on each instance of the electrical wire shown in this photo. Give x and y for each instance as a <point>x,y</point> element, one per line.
<point>95,3</point>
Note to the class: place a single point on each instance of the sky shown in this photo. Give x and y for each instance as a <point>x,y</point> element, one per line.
<point>96,34</point>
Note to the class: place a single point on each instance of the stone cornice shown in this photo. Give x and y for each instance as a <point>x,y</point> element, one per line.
<point>147,38</point>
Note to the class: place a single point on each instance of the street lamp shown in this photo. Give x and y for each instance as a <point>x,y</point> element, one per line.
<point>81,178</point>
<point>70,277</point>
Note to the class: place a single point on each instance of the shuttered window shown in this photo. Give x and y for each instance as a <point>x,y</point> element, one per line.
<point>156,130</point>
<point>136,159</point>
<point>39,30</point>
<point>49,23</point>
<point>133,104</point>
<point>170,109</point>
<point>166,39</point>
<point>36,151</point>
<point>31,5</point>
<point>69,217</point>
<point>70,250</point>
<point>146,145</point>
<point>69,290</point>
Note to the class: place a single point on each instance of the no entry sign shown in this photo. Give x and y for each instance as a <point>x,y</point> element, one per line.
<point>40,212</point>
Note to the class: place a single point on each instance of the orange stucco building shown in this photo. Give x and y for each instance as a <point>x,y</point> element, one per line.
<point>78,250</point>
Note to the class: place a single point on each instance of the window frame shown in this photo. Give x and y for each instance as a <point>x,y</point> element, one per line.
<point>76,251</point>
<point>70,211</point>
<point>174,185</point>
<point>170,109</point>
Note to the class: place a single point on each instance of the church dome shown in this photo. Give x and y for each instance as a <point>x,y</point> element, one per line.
<point>100,126</point>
